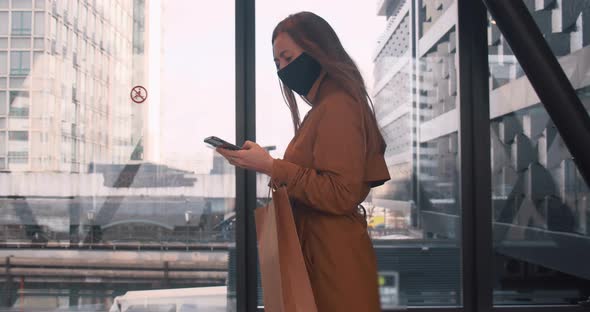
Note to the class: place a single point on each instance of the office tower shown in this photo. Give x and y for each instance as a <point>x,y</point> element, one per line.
<point>66,71</point>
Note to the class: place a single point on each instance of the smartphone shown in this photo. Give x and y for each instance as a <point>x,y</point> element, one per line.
<point>217,142</point>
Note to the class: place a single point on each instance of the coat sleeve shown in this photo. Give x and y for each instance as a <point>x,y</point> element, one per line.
<point>335,182</point>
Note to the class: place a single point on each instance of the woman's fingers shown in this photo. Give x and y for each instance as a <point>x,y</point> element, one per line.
<point>248,145</point>
<point>236,163</point>
<point>249,157</point>
<point>226,153</point>
<point>233,157</point>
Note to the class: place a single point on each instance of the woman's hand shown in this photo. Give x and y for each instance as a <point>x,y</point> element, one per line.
<point>252,156</point>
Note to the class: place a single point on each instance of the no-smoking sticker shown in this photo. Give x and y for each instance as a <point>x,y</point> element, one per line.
<point>138,94</point>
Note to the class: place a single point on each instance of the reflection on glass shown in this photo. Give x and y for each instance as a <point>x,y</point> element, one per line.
<point>541,204</point>
<point>111,204</point>
<point>414,219</point>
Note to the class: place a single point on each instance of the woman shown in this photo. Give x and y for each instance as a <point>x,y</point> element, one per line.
<point>333,161</point>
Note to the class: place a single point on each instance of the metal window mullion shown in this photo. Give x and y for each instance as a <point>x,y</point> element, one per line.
<point>474,155</point>
<point>246,260</point>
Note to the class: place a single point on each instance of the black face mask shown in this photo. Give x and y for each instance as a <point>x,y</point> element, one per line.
<point>301,73</point>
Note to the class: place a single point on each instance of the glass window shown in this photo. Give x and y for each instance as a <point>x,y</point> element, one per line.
<point>3,63</point>
<point>39,62</point>
<point>20,43</point>
<point>40,4</point>
<point>3,102</point>
<point>62,35</point>
<point>18,157</point>
<point>2,144</point>
<point>20,63</point>
<point>18,96</point>
<point>19,104</point>
<point>4,4</point>
<point>414,220</point>
<point>541,206</point>
<point>3,23</point>
<point>39,44</point>
<point>53,27</point>
<point>39,23</point>
<point>18,135</point>
<point>3,43</point>
<point>22,4</point>
<point>141,187</point>
<point>75,42</point>
<point>21,23</point>
<point>18,83</point>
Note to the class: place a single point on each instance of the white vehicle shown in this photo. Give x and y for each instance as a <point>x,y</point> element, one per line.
<point>212,299</point>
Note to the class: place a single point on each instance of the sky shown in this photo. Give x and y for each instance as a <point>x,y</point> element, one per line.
<point>197,82</point>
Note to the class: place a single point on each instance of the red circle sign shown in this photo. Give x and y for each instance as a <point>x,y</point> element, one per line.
<point>138,94</point>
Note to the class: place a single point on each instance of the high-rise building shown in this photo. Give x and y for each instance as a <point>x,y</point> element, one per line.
<point>394,102</point>
<point>538,196</point>
<point>415,94</point>
<point>66,69</point>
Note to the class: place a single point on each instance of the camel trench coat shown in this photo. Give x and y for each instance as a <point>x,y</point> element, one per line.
<point>328,169</point>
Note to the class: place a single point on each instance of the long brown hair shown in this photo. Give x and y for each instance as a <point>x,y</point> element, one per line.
<point>318,39</point>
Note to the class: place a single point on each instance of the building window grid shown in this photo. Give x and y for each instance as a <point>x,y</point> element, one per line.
<point>103,51</point>
<point>21,23</point>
